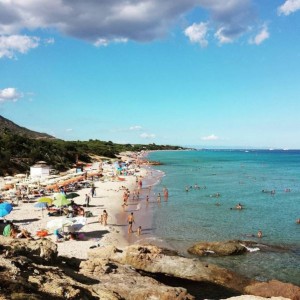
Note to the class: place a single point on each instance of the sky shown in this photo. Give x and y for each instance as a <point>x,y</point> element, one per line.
<point>205,73</point>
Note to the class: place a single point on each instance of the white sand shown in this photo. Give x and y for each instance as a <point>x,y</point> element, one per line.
<point>108,196</point>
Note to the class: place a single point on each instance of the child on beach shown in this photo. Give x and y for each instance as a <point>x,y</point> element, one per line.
<point>101,219</point>
<point>139,231</point>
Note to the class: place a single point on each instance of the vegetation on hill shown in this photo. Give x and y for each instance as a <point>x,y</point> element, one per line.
<point>7,125</point>
<point>19,152</point>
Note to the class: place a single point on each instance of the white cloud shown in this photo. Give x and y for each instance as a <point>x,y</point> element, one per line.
<point>197,33</point>
<point>288,7</point>
<point>147,135</point>
<point>136,127</point>
<point>261,36</point>
<point>69,129</point>
<point>230,18</point>
<point>49,41</point>
<point>11,44</point>
<point>211,137</point>
<point>101,43</point>
<point>103,22</point>
<point>222,37</point>
<point>105,42</point>
<point>9,94</point>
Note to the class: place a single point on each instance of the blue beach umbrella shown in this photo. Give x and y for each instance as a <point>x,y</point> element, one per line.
<point>42,205</point>
<point>5,209</point>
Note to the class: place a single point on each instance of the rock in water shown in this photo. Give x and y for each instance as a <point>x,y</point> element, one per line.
<point>218,248</point>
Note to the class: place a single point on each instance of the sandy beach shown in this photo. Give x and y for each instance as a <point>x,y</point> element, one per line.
<point>109,197</point>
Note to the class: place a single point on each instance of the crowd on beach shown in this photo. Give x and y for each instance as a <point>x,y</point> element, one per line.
<point>95,203</point>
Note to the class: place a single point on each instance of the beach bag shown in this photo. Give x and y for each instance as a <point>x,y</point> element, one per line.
<point>88,214</point>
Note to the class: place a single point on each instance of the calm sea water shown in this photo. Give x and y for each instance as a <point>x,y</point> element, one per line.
<point>239,177</point>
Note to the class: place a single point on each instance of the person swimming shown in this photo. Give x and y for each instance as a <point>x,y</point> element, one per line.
<point>239,206</point>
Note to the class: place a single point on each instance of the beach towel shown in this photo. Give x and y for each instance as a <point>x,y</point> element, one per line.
<point>6,230</point>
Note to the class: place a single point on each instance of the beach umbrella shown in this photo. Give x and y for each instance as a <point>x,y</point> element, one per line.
<point>72,195</point>
<point>59,223</point>
<point>42,205</point>
<point>45,200</point>
<point>77,223</point>
<point>5,209</point>
<point>61,200</point>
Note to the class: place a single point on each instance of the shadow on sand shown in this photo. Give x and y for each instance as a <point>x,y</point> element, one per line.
<point>96,234</point>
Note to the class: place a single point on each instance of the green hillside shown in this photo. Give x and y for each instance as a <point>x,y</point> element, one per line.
<point>20,150</point>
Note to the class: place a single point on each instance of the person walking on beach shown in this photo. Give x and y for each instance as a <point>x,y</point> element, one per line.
<point>87,200</point>
<point>93,191</point>
<point>130,220</point>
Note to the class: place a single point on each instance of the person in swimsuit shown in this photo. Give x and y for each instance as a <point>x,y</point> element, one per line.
<point>105,216</point>
<point>130,220</point>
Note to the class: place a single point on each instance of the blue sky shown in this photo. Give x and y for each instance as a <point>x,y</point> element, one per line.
<point>210,73</point>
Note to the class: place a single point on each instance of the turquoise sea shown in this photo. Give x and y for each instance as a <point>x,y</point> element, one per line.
<point>239,176</point>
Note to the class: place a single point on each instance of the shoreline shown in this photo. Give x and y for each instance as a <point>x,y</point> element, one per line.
<point>109,197</point>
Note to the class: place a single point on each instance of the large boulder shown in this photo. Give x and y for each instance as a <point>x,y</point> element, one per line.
<point>125,282</point>
<point>218,248</point>
<point>274,288</point>
<point>29,278</point>
<point>43,248</point>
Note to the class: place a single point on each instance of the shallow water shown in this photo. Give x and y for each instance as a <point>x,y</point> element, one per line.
<point>239,177</point>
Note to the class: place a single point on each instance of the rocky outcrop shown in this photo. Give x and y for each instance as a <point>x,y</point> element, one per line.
<point>124,281</point>
<point>155,260</point>
<point>43,248</point>
<point>274,288</point>
<point>32,270</point>
<point>218,248</point>
<point>152,259</point>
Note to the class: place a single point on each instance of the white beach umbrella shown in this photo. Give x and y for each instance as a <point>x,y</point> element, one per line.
<point>59,223</point>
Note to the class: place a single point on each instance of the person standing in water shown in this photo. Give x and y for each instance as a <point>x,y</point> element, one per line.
<point>158,197</point>
<point>166,194</point>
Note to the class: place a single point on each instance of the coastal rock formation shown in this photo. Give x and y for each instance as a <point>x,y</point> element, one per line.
<point>155,260</point>
<point>218,248</point>
<point>32,270</point>
<point>124,281</point>
<point>43,248</point>
<point>31,277</point>
<point>274,288</point>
